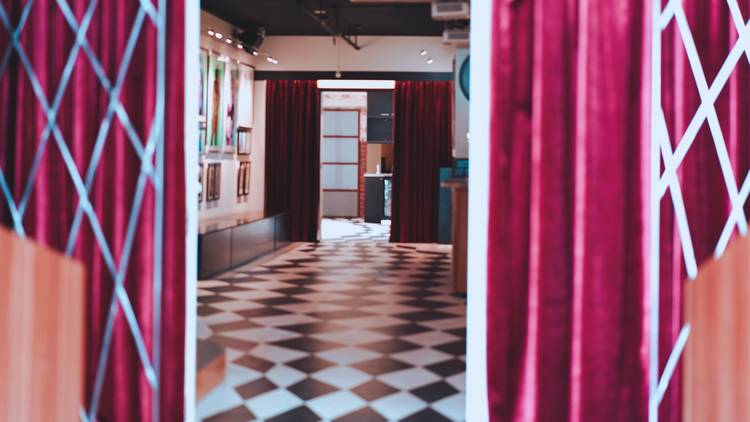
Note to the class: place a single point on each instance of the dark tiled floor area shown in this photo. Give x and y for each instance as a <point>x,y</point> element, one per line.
<point>338,331</point>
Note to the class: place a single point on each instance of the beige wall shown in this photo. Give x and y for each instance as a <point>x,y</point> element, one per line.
<point>374,152</point>
<point>378,54</point>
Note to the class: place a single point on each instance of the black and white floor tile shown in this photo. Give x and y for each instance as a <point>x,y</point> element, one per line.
<point>338,331</point>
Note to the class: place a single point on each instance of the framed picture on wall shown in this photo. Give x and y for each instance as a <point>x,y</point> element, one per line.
<point>243,179</point>
<point>240,180</point>
<point>217,181</point>
<point>245,96</point>
<point>215,118</point>
<point>203,87</point>
<point>243,140</point>
<point>208,181</point>
<point>202,131</point>
<point>200,182</point>
<point>213,182</point>
<point>231,89</point>
<point>247,179</point>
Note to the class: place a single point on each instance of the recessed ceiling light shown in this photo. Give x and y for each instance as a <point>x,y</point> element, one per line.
<point>219,35</point>
<point>239,46</point>
<point>423,52</point>
<point>272,60</point>
<point>229,40</point>
<point>255,52</point>
<point>429,61</point>
<point>210,33</point>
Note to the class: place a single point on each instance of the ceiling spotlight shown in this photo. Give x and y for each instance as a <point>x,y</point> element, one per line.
<point>210,33</point>
<point>239,46</point>
<point>272,60</point>
<point>229,40</point>
<point>218,35</point>
<point>429,61</point>
<point>423,52</point>
<point>255,52</point>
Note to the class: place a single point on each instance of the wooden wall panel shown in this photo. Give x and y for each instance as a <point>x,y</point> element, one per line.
<point>716,365</point>
<point>41,332</point>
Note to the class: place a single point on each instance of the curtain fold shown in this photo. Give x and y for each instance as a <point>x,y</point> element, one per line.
<point>566,280</point>
<point>423,113</point>
<point>51,201</point>
<point>568,311</point>
<point>293,155</point>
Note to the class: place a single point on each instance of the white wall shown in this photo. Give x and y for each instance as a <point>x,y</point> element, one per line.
<point>258,156</point>
<point>378,54</point>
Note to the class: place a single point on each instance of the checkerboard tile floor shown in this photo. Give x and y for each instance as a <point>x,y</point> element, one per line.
<point>338,331</point>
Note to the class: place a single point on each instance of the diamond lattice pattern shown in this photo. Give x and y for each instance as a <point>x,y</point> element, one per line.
<point>51,141</point>
<point>666,182</point>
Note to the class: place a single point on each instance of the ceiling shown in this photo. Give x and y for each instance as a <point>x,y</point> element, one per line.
<point>287,17</point>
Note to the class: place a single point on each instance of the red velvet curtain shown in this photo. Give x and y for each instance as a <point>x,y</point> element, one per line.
<point>293,155</point>
<point>422,144</point>
<point>52,201</point>
<point>569,191</point>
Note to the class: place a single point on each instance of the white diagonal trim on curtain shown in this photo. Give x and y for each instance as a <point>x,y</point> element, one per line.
<point>660,182</point>
<point>153,173</point>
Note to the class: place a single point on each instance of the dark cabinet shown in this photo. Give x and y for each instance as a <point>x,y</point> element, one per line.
<point>377,198</point>
<point>380,116</point>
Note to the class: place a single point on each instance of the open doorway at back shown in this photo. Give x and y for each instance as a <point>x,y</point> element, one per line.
<point>356,154</point>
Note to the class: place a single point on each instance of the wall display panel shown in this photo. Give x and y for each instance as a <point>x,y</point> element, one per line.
<point>340,177</point>
<point>200,182</point>
<point>246,185</point>
<point>245,96</point>
<point>244,141</point>
<point>341,123</point>
<point>202,137</point>
<point>231,87</point>
<point>213,182</point>
<point>203,80</point>
<point>216,71</point>
<point>243,180</point>
<point>339,204</point>
<point>340,150</point>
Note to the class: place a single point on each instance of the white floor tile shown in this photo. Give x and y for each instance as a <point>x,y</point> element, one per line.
<point>342,377</point>
<point>218,400</point>
<point>348,355</point>
<point>399,405</point>
<point>273,403</point>
<point>335,404</point>
<point>409,379</point>
<point>422,357</point>
<point>277,354</point>
<point>284,376</point>
<point>452,407</point>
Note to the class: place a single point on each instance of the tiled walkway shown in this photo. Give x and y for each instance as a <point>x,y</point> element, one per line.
<point>338,331</point>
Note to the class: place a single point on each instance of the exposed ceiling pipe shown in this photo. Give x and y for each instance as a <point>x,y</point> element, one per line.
<point>334,31</point>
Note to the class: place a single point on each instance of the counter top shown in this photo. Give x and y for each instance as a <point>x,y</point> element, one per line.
<point>221,223</point>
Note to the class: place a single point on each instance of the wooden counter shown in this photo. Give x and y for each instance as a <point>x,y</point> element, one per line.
<point>459,234</point>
